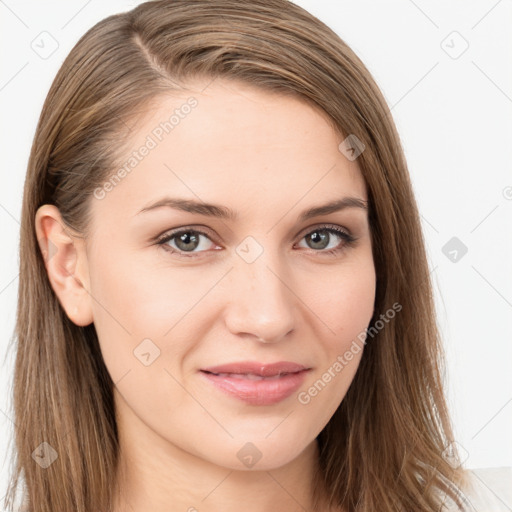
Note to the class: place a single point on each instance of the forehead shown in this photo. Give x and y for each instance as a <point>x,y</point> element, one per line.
<point>233,143</point>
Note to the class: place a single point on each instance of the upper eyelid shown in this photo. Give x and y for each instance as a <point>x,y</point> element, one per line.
<point>324,225</point>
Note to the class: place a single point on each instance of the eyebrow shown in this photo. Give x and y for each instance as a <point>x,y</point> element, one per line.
<point>222,212</point>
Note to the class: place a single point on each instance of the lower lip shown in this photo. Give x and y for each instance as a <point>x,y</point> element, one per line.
<point>266,391</point>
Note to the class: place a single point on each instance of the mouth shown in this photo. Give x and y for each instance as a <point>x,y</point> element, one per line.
<point>248,376</point>
<point>257,383</point>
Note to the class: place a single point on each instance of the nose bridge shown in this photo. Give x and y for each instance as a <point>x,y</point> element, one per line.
<point>262,304</point>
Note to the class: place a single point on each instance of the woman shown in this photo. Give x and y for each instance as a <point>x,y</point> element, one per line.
<point>224,295</point>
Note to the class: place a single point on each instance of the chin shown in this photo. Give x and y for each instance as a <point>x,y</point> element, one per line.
<point>260,454</point>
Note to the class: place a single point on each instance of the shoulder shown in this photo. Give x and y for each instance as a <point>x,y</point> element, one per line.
<point>487,490</point>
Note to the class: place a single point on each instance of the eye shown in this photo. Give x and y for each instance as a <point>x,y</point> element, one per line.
<point>189,242</point>
<point>185,241</point>
<point>321,238</point>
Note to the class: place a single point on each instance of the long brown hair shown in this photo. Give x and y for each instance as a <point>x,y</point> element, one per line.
<point>383,448</point>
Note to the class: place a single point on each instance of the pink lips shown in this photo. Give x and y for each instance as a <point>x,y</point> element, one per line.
<point>257,383</point>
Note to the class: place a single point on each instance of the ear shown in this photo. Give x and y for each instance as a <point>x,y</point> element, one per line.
<point>66,263</point>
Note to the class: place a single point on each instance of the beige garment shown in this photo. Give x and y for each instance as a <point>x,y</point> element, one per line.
<point>487,490</point>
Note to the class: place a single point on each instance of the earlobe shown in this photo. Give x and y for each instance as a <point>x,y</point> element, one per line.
<point>66,264</point>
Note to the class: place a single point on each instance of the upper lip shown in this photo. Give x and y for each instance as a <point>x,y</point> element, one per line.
<point>257,368</point>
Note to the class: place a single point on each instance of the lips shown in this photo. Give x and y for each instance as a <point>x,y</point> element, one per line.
<point>257,383</point>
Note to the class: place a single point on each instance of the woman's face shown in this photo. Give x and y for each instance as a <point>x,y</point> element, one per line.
<point>260,285</point>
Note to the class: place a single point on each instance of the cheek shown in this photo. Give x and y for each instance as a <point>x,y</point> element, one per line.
<point>346,309</point>
<point>138,293</point>
<point>345,303</point>
<point>136,298</point>
<point>126,306</point>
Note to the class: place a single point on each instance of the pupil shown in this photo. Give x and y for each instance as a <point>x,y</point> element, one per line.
<point>186,238</point>
<point>318,237</point>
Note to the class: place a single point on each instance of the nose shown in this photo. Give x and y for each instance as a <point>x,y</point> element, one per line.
<point>262,302</point>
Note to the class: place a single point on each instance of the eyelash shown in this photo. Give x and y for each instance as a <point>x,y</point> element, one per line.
<point>346,237</point>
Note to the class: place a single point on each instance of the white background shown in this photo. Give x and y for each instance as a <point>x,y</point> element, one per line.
<point>454,119</point>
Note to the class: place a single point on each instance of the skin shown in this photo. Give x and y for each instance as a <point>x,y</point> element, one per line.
<point>268,157</point>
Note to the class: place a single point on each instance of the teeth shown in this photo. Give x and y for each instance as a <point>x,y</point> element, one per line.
<point>249,376</point>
